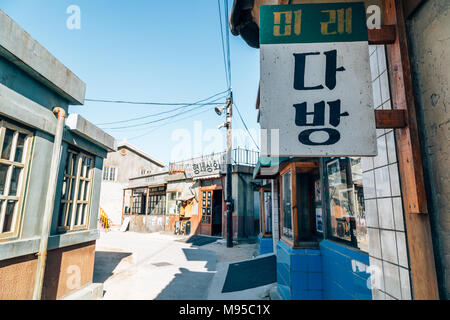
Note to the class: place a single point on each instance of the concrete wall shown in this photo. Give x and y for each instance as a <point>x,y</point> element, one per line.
<point>429,40</point>
<point>245,224</point>
<point>128,166</point>
<point>111,200</point>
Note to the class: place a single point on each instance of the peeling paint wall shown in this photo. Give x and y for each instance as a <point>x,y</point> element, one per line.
<point>429,41</point>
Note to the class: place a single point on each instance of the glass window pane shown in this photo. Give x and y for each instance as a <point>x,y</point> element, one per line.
<point>9,215</point>
<point>86,191</point>
<point>64,188</point>
<point>62,211</point>
<point>73,159</point>
<point>7,144</point>
<point>85,212</point>
<point>20,148</point>
<point>268,212</point>
<point>346,201</point>
<point>81,189</point>
<point>15,178</point>
<point>69,215</point>
<point>3,173</point>
<point>287,205</point>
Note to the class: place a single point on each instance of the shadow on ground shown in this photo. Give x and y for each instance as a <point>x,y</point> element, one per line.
<point>251,274</point>
<point>105,263</point>
<point>187,285</point>
<point>198,240</point>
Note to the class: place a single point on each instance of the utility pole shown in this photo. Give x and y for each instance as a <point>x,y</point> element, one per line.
<point>229,200</point>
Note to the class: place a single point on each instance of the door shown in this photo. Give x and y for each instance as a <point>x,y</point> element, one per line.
<point>206,205</point>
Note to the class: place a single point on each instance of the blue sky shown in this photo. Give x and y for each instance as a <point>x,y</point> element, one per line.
<point>163,51</point>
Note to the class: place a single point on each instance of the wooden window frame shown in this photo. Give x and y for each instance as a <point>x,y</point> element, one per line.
<point>23,180</point>
<point>80,182</point>
<point>294,168</point>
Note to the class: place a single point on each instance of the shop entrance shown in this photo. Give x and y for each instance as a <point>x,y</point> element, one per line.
<point>216,229</point>
<point>211,208</point>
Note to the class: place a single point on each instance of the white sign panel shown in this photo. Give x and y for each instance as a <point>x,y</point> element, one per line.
<point>315,80</point>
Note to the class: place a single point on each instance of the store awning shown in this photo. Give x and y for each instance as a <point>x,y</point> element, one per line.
<point>211,176</point>
<point>185,197</point>
<point>268,167</point>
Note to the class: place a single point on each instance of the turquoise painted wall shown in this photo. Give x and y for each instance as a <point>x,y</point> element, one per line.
<point>333,272</point>
<point>265,245</point>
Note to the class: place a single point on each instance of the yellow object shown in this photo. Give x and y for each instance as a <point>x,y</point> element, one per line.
<point>188,210</point>
<point>104,220</point>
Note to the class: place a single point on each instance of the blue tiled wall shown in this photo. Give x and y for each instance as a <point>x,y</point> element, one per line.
<point>335,272</point>
<point>299,273</point>
<point>265,245</point>
<point>344,272</point>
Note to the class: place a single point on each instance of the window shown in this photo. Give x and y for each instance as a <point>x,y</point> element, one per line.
<point>298,206</point>
<point>265,211</point>
<point>173,205</point>
<point>157,200</point>
<point>76,191</point>
<point>109,173</point>
<point>139,198</point>
<point>347,220</point>
<point>14,157</point>
<point>286,206</point>
<point>143,172</point>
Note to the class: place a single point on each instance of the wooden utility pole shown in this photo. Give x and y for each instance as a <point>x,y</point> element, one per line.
<point>229,200</point>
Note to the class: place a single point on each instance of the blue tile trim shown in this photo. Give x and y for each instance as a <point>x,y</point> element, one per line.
<point>344,272</point>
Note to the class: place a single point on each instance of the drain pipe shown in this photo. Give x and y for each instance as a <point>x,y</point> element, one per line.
<point>49,204</point>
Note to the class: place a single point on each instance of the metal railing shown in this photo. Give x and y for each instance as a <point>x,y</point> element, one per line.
<point>239,156</point>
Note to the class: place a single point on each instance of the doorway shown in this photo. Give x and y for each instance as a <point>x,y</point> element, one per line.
<point>217,214</point>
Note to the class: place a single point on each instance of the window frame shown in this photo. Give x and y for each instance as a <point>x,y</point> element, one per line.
<point>289,168</point>
<point>353,242</point>
<point>108,171</point>
<point>63,225</point>
<point>25,165</point>
<point>294,168</point>
<point>262,212</point>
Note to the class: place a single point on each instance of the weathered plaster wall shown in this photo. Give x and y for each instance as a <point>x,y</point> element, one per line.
<point>429,40</point>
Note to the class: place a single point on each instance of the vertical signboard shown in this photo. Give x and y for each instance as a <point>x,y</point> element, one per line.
<point>315,79</point>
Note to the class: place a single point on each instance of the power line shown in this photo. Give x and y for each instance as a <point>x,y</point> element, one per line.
<point>199,102</point>
<point>223,46</point>
<point>228,42</point>
<point>164,124</point>
<point>144,103</point>
<point>245,125</point>
<point>161,119</point>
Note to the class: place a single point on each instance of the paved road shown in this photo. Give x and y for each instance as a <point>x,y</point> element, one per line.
<point>162,266</point>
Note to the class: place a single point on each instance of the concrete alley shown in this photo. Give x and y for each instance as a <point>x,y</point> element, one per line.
<point>163,266</point>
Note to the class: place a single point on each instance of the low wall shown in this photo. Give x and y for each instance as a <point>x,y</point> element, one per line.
<point>333,272</point>
<point>265,245</point>
<point>68,269</point>
<point>345,272</point>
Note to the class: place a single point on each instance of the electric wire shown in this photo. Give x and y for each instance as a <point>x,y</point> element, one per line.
<point>199,102</point>
<point>223,46</point>
<point>161,119</point>
<point>245,126</point>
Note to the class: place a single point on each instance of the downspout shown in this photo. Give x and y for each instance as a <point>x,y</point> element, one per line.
<point>49,204</point>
